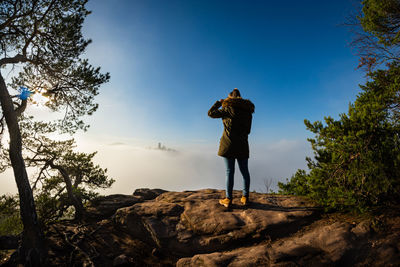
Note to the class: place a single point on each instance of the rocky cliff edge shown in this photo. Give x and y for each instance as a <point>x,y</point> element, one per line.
<point>154,227</point>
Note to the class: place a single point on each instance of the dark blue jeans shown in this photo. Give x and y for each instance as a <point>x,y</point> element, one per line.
<point>230,172</point>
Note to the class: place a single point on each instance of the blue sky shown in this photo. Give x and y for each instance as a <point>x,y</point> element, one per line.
<point>170,60</point>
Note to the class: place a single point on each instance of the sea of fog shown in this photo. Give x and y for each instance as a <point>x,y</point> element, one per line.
<point>187,167</point>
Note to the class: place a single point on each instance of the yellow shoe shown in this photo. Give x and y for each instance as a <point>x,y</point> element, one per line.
<point>225,202</point>
<point>244,200</point>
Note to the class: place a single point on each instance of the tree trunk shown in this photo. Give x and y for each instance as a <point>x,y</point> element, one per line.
<point>76,201</point>
<point>32,238</point>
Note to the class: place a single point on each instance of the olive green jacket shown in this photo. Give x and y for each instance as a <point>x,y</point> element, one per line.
<point>236,114</point>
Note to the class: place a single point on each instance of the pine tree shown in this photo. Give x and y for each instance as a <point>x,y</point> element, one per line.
<point>44,38</point>
<point>357,157</point>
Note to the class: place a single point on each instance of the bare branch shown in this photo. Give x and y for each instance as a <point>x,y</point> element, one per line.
<point>13,60</point>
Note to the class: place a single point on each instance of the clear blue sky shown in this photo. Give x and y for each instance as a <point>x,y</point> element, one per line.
<point>171,60</point>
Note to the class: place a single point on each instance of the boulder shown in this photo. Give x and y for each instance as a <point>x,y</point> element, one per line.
<point>187,223</point>
<point>106,206</point>
<point>148,194</point>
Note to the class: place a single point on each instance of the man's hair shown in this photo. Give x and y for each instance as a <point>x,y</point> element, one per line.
<point>235,93</point>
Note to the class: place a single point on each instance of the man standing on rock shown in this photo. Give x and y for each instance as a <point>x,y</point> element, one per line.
<point>236,114</point>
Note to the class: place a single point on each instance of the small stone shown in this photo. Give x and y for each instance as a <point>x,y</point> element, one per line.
<point>156,252</point>
<point>361,229</point>
<point>121,260</point>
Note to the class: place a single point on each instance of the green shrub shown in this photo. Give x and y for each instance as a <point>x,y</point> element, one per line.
<point>10,220</point>
<point>356,161</point>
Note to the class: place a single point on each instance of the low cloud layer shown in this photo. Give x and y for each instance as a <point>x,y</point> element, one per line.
<point>189,168</point>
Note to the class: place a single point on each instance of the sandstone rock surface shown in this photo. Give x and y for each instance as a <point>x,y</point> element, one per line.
<point>159,228</point>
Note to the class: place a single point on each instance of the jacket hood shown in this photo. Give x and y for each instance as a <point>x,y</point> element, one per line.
<point>239,102</point>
